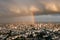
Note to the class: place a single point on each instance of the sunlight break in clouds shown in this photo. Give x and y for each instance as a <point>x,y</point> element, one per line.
<point>51,7</point>
<point>33,9</point>
<point>15,9</point>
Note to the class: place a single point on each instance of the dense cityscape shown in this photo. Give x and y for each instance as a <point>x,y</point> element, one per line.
<point>42,31</point>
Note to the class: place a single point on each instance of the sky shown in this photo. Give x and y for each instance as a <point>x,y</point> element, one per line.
<point>10,9</point>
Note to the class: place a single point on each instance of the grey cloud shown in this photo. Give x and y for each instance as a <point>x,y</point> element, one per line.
<point>40,4</point>
<point>14,8</point>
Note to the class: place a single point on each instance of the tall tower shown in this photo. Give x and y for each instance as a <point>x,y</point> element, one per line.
<point>33,9</point>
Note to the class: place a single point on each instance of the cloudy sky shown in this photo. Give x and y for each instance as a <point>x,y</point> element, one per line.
<point>10,9</point>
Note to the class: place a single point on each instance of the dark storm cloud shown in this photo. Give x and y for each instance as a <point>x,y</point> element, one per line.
<point>19,7</point>
<point>9,9</point>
